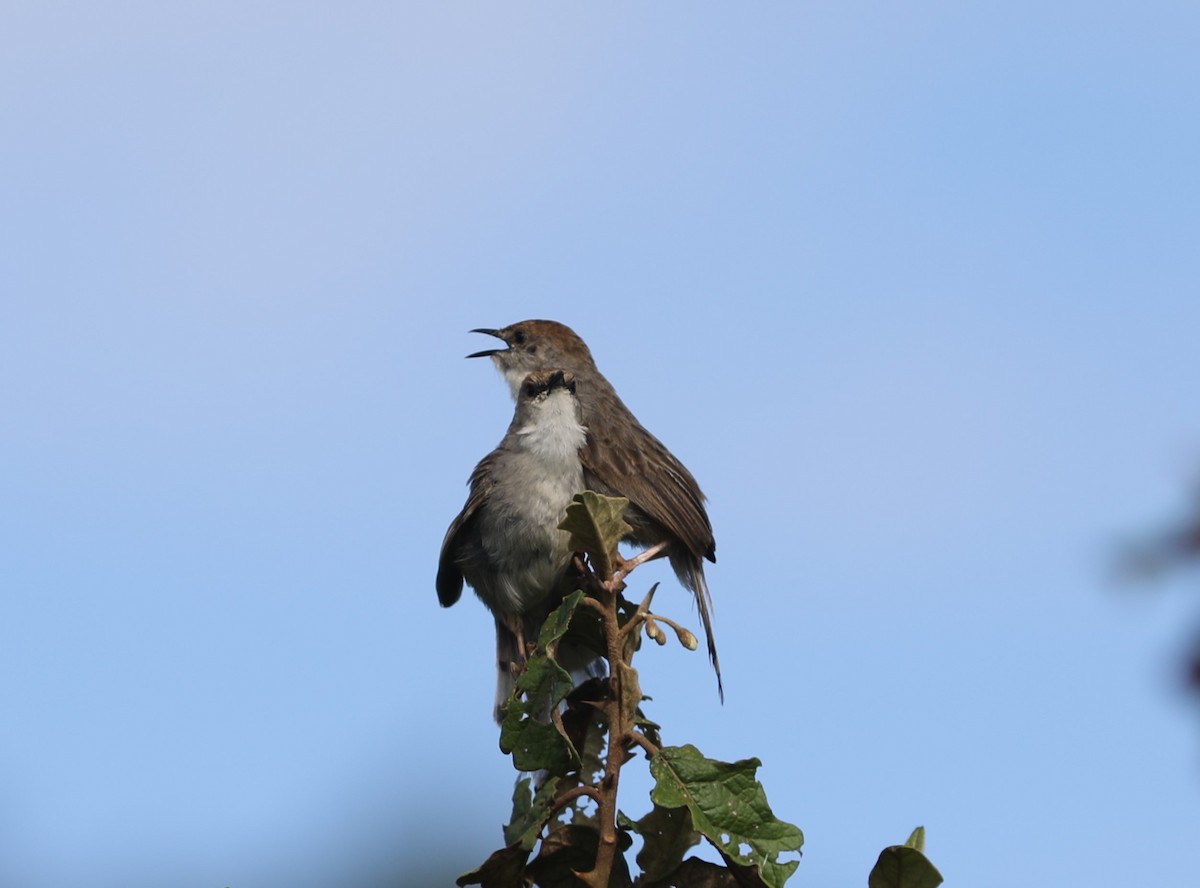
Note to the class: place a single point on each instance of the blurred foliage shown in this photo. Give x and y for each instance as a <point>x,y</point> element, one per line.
<point>1169,552</point>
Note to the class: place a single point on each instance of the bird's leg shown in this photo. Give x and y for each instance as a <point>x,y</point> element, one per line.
<point>521,642</point>
<point>516,626</point>
<point>624,567</point>
<point>658,550</point>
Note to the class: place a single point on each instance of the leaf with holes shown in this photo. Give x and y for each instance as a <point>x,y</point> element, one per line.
<point>531,811</point>
<point>526,730</point>
<point>728,807</point>
<point>667,834</point>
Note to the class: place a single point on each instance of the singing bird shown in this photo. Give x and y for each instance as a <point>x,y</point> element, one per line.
<point>620,457</point>
<point>506,543</point>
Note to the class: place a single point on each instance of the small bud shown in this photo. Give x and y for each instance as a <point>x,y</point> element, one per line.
<point>686,638</point>
<point>653,630</point>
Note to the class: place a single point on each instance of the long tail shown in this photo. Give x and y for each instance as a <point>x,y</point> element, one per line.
<point>690,570</point>
<point>594,669</point>
<point>507,656</point>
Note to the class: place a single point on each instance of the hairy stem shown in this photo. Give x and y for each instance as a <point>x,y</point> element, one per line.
<point>620,734</point>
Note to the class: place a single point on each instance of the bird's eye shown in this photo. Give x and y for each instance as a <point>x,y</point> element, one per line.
<point>519,337</point>
<point>531,390</point>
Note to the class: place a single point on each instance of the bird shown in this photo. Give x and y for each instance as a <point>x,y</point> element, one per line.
<point>620,457</point>
<point>505,543</point>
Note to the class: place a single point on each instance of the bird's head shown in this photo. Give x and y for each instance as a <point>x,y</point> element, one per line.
<point>536,346</point>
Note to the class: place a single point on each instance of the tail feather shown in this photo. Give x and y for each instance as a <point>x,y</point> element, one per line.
<point>506,657</point>
<point>690,570</point>
<point>595,669</point>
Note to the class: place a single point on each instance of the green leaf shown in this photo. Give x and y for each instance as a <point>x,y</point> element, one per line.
<point>651,730</point>
<point>667,834</point>
<point>903,866</point>
<point>728,807</point>
<point>531,811</point>
<point>522,806</point>
<point>917,839</point>
<point>504,869</point>
<point>526,731</point>
<point>596,524</point>
<point>626,609</point>
<point>558,621</point>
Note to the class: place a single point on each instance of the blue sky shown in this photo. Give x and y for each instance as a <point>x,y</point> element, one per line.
<point>911,289</point>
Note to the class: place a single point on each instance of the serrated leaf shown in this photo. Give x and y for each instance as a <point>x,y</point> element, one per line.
<point>534,742</point>
<point>744,876</point>
<point>728,807</point>
<point>531,812</point>
<point>903,867</point>
<point>522,806</point>
<point>586,731</point>
<point>526,731</point>
<point>774,873</point>
<point>596,524</point>
<point>559,620</point>
<point>667,834</point>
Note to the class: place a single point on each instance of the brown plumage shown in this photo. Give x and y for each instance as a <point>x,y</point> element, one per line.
<point>621,458</point>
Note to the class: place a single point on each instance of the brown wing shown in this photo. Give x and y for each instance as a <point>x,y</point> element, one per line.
<point>641,468</point>
<point>449,575</point>
<point>638,466</point>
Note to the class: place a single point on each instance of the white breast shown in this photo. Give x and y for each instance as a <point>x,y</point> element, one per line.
<point>555,434</point>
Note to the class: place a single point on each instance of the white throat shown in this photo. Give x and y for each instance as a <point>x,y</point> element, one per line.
<point>514,376</point>
<point>554,432</point>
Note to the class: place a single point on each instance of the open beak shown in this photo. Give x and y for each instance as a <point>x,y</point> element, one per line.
<point>487,353</point>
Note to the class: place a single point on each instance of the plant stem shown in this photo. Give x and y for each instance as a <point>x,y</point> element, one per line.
<point>618,737</point>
